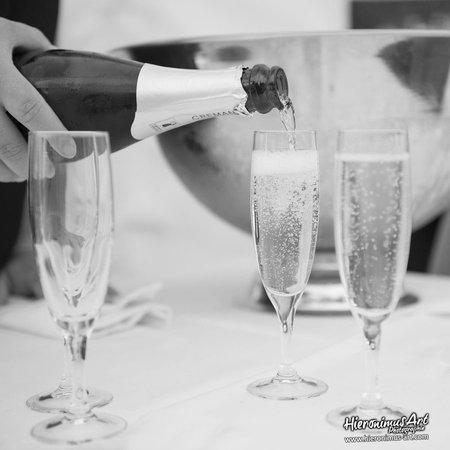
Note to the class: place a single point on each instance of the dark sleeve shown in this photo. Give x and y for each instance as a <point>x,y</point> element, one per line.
<point>41,14</point>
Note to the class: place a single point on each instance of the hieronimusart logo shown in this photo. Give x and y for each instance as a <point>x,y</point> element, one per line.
<point>405,428</point>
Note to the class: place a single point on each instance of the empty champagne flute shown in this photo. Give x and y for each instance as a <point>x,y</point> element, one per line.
<point>372,233</point>
<point>285,220</point>
<point>71,213</point>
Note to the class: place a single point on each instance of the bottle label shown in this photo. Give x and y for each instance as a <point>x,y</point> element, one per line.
<point>168,98</point>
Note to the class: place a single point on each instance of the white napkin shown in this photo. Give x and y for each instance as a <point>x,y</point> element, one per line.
<point>119,313</point>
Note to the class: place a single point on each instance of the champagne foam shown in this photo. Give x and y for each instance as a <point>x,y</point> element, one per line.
<point>283,162</point>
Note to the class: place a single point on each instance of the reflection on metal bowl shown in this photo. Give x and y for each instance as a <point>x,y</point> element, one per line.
<point>351,79</point>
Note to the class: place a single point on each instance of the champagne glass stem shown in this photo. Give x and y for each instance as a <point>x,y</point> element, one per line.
<point>286,314</point>
<point>285,369</point>
<point>371,398</point>
<point>65,382</point>
<point>77,346</point>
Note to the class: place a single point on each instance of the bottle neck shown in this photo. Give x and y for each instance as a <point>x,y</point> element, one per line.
<point>167,98</point>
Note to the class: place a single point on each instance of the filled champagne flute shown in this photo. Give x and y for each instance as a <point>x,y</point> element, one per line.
<point>71,213</point>
<point>372,233</point>
<point>285,220</point>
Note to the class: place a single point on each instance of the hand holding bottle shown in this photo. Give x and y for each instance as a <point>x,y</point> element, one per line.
<point>20,99</point>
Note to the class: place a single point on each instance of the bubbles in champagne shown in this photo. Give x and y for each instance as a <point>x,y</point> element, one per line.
<point>373,228</point>
<point>285,202</point>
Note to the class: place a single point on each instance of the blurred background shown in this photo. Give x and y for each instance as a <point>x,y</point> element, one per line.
<point>161,229</point>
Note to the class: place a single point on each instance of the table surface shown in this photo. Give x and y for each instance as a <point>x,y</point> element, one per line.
<point>184,385</point>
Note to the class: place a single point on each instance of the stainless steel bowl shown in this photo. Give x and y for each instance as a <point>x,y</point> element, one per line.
<point>351,79</point>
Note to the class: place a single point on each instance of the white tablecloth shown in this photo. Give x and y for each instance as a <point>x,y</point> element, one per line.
<point>183,387</point>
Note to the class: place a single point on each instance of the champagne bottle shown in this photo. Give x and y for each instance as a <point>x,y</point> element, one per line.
<point>131,100</point>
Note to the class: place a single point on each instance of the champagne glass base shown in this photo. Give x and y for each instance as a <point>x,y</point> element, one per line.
<point>287,389</point>
<point>58,401</point>
<point>337,416</point>
<point>66,431</point>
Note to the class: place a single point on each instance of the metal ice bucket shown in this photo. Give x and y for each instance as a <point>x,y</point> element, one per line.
<point>351,79</point>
